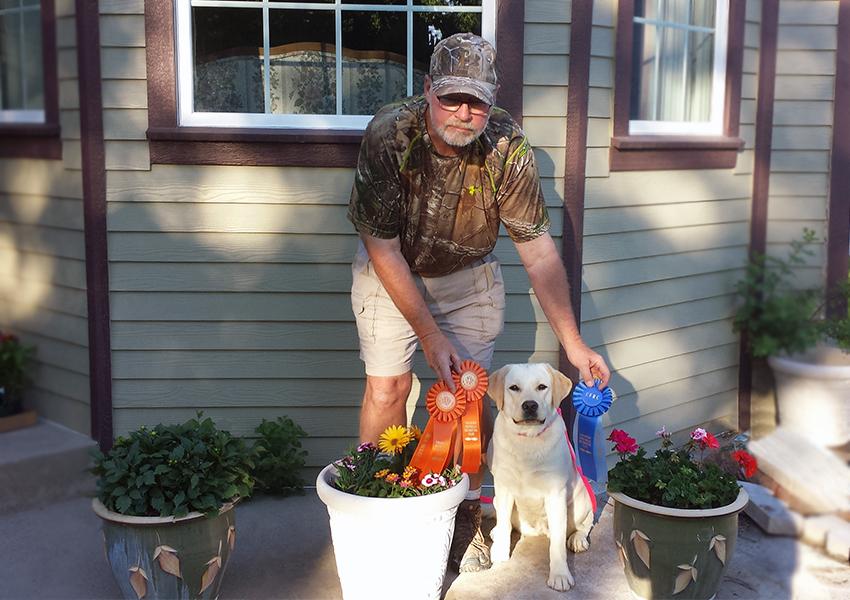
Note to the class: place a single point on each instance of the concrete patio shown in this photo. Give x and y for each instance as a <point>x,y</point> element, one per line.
<point>55,550</point>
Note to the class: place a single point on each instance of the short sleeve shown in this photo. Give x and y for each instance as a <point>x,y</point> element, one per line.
<point>375,204</point>
<point>522,207</point>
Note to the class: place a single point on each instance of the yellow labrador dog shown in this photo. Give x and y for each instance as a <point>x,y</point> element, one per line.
<point>538,488</point>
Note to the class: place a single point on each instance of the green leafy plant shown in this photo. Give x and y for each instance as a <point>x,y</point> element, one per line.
<point>384,471</point>
<point>779,318</point>
<point>171,470</point>
<point>278,457</point>
<point>673,478</point>
<point>15,361</point>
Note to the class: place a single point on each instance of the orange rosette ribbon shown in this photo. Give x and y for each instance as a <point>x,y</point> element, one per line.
<point>473,380</point>
<point>448,410</point>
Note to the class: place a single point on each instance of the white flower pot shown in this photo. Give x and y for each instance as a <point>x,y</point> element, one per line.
<point>813,394</point>
<point>390,547</point>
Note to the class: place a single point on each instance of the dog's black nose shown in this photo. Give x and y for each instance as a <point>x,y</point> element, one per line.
<point>529,407</point>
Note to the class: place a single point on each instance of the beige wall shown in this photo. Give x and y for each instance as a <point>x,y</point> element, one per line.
<point>662,252</point>
<point>802,135</point>
<point>42,255</point>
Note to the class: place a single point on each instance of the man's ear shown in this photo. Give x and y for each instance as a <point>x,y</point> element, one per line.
<point>561,386</point>
<point>496,386</point>
<point>426,88</point>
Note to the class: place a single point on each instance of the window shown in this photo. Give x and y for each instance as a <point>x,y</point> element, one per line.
<point>29,88</point>
<point>677,89</point>
<point>309,65</point>
<point>678,66</point>
<point>21,67</point>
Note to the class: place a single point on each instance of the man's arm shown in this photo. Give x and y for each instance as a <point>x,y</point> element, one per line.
<point>396,278</point>
<point>549,280</point>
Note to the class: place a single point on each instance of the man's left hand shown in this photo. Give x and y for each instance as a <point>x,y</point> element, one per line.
<point>590,365</point>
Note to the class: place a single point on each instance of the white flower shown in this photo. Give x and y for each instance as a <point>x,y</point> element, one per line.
<point>441,480</point>
<point>430,480</point>
<point>662,432</point>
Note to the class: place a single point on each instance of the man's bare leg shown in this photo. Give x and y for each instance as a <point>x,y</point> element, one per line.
<point>384,404</point>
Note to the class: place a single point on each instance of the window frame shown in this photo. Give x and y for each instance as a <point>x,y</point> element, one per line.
<point>172,143</point>
<point>38,139</point>
<point>644,151</point>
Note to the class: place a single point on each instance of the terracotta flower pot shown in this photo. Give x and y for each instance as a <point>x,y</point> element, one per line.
<point>673,552</point>
<point>390,547</point>
<point>163,557</point>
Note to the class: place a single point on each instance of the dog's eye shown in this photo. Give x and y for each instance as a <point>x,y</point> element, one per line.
<point>514,388</point>
<point>542,387</point>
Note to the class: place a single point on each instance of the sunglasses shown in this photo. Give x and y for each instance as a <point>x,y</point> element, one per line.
<point>453,104</point>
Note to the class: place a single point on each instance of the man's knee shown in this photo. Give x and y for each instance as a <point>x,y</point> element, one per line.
<point>387,392</point>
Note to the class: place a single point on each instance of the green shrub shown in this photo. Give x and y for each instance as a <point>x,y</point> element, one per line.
<point>171,470</point>
<point>278,457</point>
<point>15,361</point>
<point>780,319</point>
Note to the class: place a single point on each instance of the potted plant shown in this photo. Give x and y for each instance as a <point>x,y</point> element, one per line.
<point>676,518</point>
<point>15,361</point>
<point>391,525</point>
<point>806,352</point>
<point>166,498</point>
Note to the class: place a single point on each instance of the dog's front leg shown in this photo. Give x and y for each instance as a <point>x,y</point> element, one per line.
<point>560,577</point>
<point>503,502</point>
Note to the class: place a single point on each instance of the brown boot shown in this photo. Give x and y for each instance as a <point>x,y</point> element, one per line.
<point>469,551</point>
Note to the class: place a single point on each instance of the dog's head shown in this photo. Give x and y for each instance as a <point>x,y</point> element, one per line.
<point>528,394</point>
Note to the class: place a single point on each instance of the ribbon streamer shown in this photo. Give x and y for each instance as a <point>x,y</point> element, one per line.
<point>590,403</point>
<point>447,410</point>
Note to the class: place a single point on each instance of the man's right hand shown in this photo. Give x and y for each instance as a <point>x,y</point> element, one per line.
<point>441,355</point>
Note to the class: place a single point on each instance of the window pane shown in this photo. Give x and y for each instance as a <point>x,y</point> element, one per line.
<point>428,29</point>
<point>700,68</point>
<point>646,8</point>
<point>671,88</point>
<point>228,47</point>
<point>674,11</point>
<point>374,60</point>
<point>302,61</point>
<point>702,13</point>
<point>33,68</point>
<point>643,73</point>
<point>385,2</point>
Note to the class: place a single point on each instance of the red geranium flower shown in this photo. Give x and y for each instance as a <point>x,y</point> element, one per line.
<point>623,442</point>
<point>710,441</point>
<point>748,463</point>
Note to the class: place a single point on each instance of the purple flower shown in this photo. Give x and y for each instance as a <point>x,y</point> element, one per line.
<point>699,434</point>
<point>366,446</point>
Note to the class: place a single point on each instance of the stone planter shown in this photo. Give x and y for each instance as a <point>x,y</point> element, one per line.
<point>673,552</point>
<point>163,557</point>
<point>813,394</point>
<point>390,547</point>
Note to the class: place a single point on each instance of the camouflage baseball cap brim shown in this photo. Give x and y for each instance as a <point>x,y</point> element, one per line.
<point>442,86</point>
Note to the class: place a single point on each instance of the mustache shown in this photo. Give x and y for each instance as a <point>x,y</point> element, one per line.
<point>459,125</point>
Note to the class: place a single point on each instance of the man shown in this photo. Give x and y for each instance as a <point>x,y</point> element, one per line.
<point>436,176</point>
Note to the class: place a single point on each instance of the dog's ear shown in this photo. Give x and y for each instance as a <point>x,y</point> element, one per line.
<point>561,386</point>
<point>496,386</point>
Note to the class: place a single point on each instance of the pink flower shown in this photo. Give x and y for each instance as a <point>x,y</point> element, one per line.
<point>662,433</point>
<point>366,446</point>
<point>698,434</point>
<point>623,442</point>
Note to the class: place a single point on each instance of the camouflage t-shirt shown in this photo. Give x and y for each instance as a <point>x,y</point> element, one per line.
<point>445,210</point>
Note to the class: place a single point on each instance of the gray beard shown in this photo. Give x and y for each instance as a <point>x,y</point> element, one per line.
<point>459,139</point>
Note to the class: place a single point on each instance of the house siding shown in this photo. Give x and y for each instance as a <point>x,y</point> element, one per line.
<point>42,255</point>
<point>662,253</point>
<point>229,285</point>
<point>802,134</point>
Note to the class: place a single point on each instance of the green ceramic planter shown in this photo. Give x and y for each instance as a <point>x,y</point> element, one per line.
<point>673,552</point>
<point>163,557</point>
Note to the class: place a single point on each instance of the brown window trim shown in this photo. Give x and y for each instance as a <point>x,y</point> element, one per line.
<point>171,144</point>
<point>657,152</point>
<point>39,140</point>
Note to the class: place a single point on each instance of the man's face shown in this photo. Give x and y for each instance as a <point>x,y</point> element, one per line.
<point>457,118</point>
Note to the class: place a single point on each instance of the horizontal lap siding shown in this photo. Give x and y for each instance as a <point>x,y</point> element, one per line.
<point>802,138</point>
<point>42,255</point>
<point>229,285</point>
<point>662,253</point>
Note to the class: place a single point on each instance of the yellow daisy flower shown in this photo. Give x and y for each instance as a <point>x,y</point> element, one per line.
<point>409,472</point>
<point>394,439</point>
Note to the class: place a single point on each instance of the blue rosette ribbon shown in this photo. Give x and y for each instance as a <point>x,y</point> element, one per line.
<point>590,403</point>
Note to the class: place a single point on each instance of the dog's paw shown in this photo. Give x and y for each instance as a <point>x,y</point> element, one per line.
<point>561,581</point>
<point>578,542</point>
<point>499,552</point>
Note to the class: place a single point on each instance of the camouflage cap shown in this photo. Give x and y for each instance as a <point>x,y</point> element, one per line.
<point>464,63</point>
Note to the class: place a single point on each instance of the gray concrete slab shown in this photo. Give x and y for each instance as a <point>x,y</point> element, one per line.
<point>283,550</point>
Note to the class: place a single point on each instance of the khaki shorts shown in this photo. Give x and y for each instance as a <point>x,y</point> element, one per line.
<point>468,306</point>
